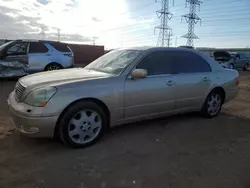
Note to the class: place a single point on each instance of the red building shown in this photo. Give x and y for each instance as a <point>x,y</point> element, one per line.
<point>85,54</point>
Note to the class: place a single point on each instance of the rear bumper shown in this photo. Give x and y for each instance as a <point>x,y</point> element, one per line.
<point>230,95</point>
<point>41,126</point>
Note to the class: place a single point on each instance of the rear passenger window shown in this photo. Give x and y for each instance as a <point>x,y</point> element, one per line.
<point>37,47</point>
<point>188,62</point>
<point>60,47</point>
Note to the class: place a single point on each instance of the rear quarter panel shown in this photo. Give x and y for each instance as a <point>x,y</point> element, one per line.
<point>240,63</point>
<point>227,80</point>
<point>59,57</point>
<point>38,61</point>
<point>222,77</point>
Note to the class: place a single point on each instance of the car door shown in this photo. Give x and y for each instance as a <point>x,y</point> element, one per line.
<point>191,79</point>
<point>238,61</point>
<point>244,60</point>
<point>17,53</point>
<point>38,56</point>
<point>151,95</point>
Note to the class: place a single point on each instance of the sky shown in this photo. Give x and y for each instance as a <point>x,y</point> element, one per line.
<point>124,23</point>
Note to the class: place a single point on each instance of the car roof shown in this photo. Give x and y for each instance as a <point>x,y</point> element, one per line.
<point>215,66</point>
<point>34,40</point>
<point>150,48</point>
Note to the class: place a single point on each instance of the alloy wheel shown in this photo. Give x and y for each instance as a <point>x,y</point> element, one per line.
<point>214,104</point>
<point>53,67</point>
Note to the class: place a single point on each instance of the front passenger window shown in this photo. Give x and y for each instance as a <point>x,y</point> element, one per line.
<point>157,63</point>
<point>17,49</point>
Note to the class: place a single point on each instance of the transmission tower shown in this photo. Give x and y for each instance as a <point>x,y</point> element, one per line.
<point>165,32</point>
<point>192,18</point>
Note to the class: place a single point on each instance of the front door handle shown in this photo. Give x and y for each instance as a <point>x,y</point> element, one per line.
<point>205,79</point>
<point>170,83</point>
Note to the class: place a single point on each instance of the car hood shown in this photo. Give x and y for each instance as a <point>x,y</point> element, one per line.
<point>61,76</point>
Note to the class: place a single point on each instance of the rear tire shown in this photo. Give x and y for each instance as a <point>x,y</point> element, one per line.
<point>246,67</point>
<point>212,105</point>
<point>53,66</point>
<point>231,66</point>
<point>83,124</point>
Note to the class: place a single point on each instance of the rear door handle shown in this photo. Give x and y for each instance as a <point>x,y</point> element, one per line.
<point>170,83</point>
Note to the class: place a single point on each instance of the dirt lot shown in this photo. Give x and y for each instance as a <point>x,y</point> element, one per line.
<point>180,151</point>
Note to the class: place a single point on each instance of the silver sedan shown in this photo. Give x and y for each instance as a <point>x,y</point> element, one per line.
<point>123,86</point>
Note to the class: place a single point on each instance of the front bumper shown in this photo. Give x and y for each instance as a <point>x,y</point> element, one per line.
<point>29,124</point>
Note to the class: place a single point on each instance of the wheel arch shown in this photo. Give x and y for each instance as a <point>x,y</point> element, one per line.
<point>220,90</point>
<point>95,100</point>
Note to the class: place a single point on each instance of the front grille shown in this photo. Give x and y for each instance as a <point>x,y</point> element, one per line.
<point>19,90</point>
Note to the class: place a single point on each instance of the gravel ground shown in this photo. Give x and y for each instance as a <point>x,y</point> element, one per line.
<point>179,151</point>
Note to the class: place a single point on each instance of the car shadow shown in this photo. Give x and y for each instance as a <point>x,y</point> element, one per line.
<point>148,128</point>
<point>158,122</point>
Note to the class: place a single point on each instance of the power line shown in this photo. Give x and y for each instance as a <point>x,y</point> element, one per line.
<point>221,11</point>
<point>226,20</point>
<point>174,18</point>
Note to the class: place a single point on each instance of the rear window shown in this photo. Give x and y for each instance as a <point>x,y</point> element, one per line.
<point>60,47</point>
<point>37,47</point>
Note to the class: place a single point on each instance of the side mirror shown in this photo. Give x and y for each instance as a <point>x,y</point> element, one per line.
<point>139,73</point>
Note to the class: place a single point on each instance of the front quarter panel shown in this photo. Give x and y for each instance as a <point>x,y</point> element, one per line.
<point>109,90</point>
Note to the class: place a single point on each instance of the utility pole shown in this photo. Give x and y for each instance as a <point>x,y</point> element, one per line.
<point>165,32</point>
<point>94,39</point>
<point>59,34</point>
<point>192,18</point>
<point>43,29</point>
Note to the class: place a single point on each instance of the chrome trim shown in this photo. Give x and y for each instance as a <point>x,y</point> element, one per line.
<point>19,90</point>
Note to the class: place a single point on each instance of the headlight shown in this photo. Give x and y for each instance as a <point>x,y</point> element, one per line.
<point>39,97</point>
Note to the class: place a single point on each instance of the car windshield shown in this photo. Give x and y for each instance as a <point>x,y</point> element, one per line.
<point>4,45</point>
<point>114,62</point>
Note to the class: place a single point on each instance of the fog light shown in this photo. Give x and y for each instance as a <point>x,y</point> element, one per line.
<point>30,129</point>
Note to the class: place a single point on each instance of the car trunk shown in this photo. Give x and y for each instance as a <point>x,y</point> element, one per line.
<point>222,56</point>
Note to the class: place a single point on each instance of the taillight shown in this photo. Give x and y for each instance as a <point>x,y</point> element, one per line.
<point>237,82</point>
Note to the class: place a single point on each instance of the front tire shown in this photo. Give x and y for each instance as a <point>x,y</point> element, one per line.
<point>213,104</point>
<point>83,124</point>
